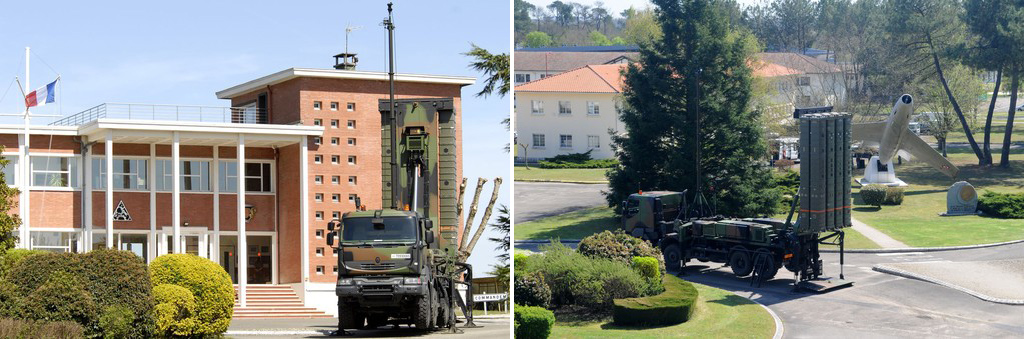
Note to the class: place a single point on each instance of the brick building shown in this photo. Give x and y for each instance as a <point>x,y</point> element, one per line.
<point>310,141</point>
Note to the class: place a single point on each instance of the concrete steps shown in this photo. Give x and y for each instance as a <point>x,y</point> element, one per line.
<point>273,301</point>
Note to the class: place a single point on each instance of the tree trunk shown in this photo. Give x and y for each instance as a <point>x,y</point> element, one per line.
<point>988,121</point>
<point>942,146</point>
<point>956,106</point>
<point>1014,82</point>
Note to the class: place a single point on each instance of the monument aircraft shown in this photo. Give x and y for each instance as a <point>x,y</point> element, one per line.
<point>892,136</point>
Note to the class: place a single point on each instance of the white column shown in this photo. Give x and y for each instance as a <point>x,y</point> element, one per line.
<point>87,197</point>
<point>243,251</point>
<point>304,202</point>
<point>176,194</point>
<point>26,183</point>
<point>109,217</point>
<point>151,177</point>
<point>215,177</point>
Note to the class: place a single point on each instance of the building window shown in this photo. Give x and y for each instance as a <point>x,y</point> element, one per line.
<point>537,107</point>
<point>335,141</point>
<point>54,171</point>
<point>351,141</point>
<point>593,108</point>
<point>334,106</point>
<point>335,159</point>
<point>316,140</point>
<point>805,100</point>
<point>565,141</point>
<point>538,141</point>
<point>195,175</point>
<point>594,141</point>
<point>351,124</point>
<point>352,180</point>
<point>316,105</point>
<point>336,215</point>
<point>318,159</point>
<point>129,174</point>
<point>336,179</point>
<point>319,215</point>
<point>335,269</point>
<point>335,197</point>
<point>318,179</point>
<point>520,77</point>
<point>319,197</point>
<point>350,106</point>
<point>564,108</point>
<point>319,251</point>
<point>803,81</point>
<point>10,171</point>
<point>258,177</point>
<point>352,198</point>
<point>320,269</point>
<point>334,123</point>
<point>318,122</point>
<point>319,234</point>
<point>53,241</point>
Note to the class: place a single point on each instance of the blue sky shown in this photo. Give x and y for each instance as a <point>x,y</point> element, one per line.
<point>181,52</point>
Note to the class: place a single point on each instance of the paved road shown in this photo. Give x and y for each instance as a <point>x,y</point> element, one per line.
<point>878,305</point>
<point>537,200</point>
<point>492,328</point>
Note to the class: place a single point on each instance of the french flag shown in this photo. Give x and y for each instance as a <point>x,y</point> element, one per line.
<point>41,96</point>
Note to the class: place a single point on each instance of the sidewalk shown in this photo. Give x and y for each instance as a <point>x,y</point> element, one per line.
<point>877,236</point>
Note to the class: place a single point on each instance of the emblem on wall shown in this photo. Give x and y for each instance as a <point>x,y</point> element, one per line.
<point>121,213</point>
<point>250,212</point>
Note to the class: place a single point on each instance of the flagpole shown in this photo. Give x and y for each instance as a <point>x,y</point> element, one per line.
<point>26,180</point>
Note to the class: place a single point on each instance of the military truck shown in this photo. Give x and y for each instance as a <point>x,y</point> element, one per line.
<point>761,246</point>
<point>398,265</point>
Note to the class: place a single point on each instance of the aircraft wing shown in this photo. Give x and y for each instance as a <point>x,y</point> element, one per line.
<point>870,132</point>
<point>921,150</point>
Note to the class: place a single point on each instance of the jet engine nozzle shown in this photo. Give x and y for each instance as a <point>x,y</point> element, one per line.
<point>906,99</point>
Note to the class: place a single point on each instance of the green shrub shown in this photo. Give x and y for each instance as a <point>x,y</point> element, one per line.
<point>873,194</point>
<point>116,322</point>
<point>1002,205</point>
<point>35,270</point>
<point>14,256</point>
<point>647,267</point>
<point>533,322</point>
<point>894,195</point>
<point>619,246</point>
<point>120,278</point>
<point>519,261</point>
<point>20,328</point>
<point>174,309</point>
<point>61,298</point>
<point>579,280</point>
<point>531,290</point>
<point>672,307</point>
<point>599,163</point>
<point>572,157</point>
<point>10,300</point>
<point>207,281</point>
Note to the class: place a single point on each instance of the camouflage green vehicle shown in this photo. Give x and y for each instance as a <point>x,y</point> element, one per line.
<point>651,215</point>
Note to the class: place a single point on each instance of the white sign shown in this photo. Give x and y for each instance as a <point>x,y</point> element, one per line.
<point>401,256</point>
<point>489,297</point>
<point>121,213</point>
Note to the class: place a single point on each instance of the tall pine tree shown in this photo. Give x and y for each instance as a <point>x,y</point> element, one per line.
<point>699,59</point>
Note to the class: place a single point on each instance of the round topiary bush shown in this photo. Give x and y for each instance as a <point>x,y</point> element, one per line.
<point>531,290</point>
<point>619,246</point>
<point>120,278</point>
<point>174,309</point>
<point>35,270</point>
<point>61,298</point>
<point>533,322</point>
<point>647,267</point>
<point>873,194</point>
<point>207,281</point>
<point>894,195</point>
<point>671,307</point>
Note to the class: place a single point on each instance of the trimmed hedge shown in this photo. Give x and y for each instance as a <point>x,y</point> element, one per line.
<point>873,194</point>
<point>647,267</point>
<point>620,247</point>
<point>1002,205</point>
<point>533,322</point>
<point>207,281</point>
<point>531,290</point>
<point>174,309</point>
<point>672,307</point>
<point>598,163</point>
<point>18,328</point>
<point>894,195</point>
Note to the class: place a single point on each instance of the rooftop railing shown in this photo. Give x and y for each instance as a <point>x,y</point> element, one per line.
<point>249,115</point>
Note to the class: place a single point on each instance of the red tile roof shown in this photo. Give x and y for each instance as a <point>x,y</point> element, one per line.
<point>586,79</point>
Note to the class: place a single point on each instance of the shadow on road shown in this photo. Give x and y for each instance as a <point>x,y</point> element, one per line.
<point>770,292</point>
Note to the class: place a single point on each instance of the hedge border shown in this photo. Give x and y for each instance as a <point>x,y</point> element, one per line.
<point>674,306</point>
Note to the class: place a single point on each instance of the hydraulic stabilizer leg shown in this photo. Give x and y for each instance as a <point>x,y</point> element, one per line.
<point>467,303</point>
<point>842,238</point>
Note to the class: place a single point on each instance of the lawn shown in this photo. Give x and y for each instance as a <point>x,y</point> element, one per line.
<point>917,222</point>
<point>719,314</point>
<point>572,225</point>
<point>560,174</point>
<point>856,240</point>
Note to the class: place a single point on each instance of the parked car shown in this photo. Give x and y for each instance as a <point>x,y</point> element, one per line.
<point>1020,108</point>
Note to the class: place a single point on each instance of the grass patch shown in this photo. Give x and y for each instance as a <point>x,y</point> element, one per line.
<point>718,314</point>
<point>856,240</point>
<point>917,222</point>
<point>572,225</point>
<point>560,174</point>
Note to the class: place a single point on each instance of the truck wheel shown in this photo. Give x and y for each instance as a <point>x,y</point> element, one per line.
<point>672,256</point>
<point>442,314</point>
<point>423,318</point>
<point>740,263</point>
<point>349,317</point>
<point>769,269</point>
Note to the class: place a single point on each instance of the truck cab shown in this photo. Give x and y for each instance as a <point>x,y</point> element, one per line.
<point>650,215</point>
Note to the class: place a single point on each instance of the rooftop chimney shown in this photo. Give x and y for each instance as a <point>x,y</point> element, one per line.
<point>345,61</point>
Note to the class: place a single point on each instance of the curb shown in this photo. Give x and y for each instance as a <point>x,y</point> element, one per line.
<point>780,330</point>
<point>299,331</point>
<point>979,295</point>
<point>566,241</point>
<point>563,181</point>
<point>923,249</point>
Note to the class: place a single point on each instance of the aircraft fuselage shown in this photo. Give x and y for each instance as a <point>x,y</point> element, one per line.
<point>896,128</point>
